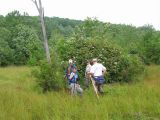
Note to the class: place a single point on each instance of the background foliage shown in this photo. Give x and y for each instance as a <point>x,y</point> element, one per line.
<point>120,65</point>
<point>123,49</point>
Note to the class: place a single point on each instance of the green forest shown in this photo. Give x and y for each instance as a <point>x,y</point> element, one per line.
<point>130,54</point>
<point>21,38</point>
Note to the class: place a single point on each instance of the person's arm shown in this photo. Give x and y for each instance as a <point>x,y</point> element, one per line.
<point>71,76</point>
<point>68,70</point>
<point>103,69</point>
<point>87,70</point>
<point>91,73</point>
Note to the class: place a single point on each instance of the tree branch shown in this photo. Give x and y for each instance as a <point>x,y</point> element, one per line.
<point>43,12</point>
<point>35,2</point>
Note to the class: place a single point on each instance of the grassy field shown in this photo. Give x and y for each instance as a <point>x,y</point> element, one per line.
<point>20,99</point>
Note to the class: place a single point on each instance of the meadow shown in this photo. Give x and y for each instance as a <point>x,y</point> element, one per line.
<point>21,99</point>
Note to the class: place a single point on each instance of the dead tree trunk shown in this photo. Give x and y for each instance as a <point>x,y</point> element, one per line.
<point>41,15</point>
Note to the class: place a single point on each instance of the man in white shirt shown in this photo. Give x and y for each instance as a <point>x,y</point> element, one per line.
<point>97,71</point>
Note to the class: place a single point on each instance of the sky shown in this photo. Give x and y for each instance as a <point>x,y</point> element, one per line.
<point>132,12</point>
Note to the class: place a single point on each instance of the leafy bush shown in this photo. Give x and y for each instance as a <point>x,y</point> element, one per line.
<point>120,66</point>
<point>128,68</point>
<point>89,41</point>
<point>50,76</point>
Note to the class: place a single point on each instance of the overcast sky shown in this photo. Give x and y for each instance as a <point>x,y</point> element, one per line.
<point>135,12</point>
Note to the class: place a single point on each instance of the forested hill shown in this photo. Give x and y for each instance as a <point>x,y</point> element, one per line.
<point>62,25</point>
<point>20,37</point>
<point>65,26</point>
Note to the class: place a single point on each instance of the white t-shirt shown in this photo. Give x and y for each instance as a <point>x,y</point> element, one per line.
<point>88,68</point>
<point>97,69</point>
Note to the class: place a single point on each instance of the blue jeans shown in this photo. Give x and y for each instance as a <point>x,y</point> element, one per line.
<point>99,80</point>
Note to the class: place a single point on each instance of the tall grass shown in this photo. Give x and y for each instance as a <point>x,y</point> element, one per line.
<point>19,99</point>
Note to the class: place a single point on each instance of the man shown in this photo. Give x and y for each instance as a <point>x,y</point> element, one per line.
<point>97,71</point>
<point>69,68</point>
<point>73,85</point>
<point>87,75</point>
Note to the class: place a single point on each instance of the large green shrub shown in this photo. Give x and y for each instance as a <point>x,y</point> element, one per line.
<point>50,76</point>
<point>127,69</point>
<point>89,41</point>
<point>120,66</point>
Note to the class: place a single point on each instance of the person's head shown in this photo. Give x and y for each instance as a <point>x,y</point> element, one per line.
<point>94,60</point>
<point>70,61</point>
<point>88,62</point>
<point>74,69</point>
<point>91,63</point>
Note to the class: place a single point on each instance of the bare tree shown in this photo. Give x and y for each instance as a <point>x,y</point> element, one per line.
<point>41,15</point>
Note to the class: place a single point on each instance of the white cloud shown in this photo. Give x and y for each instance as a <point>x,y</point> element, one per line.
<point>136,12</point>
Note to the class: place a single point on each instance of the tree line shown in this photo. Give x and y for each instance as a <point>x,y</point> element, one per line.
<point>21,37</point>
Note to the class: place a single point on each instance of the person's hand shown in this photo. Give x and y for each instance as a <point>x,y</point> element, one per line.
<point>77,85</point>
<point>103,73</point>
